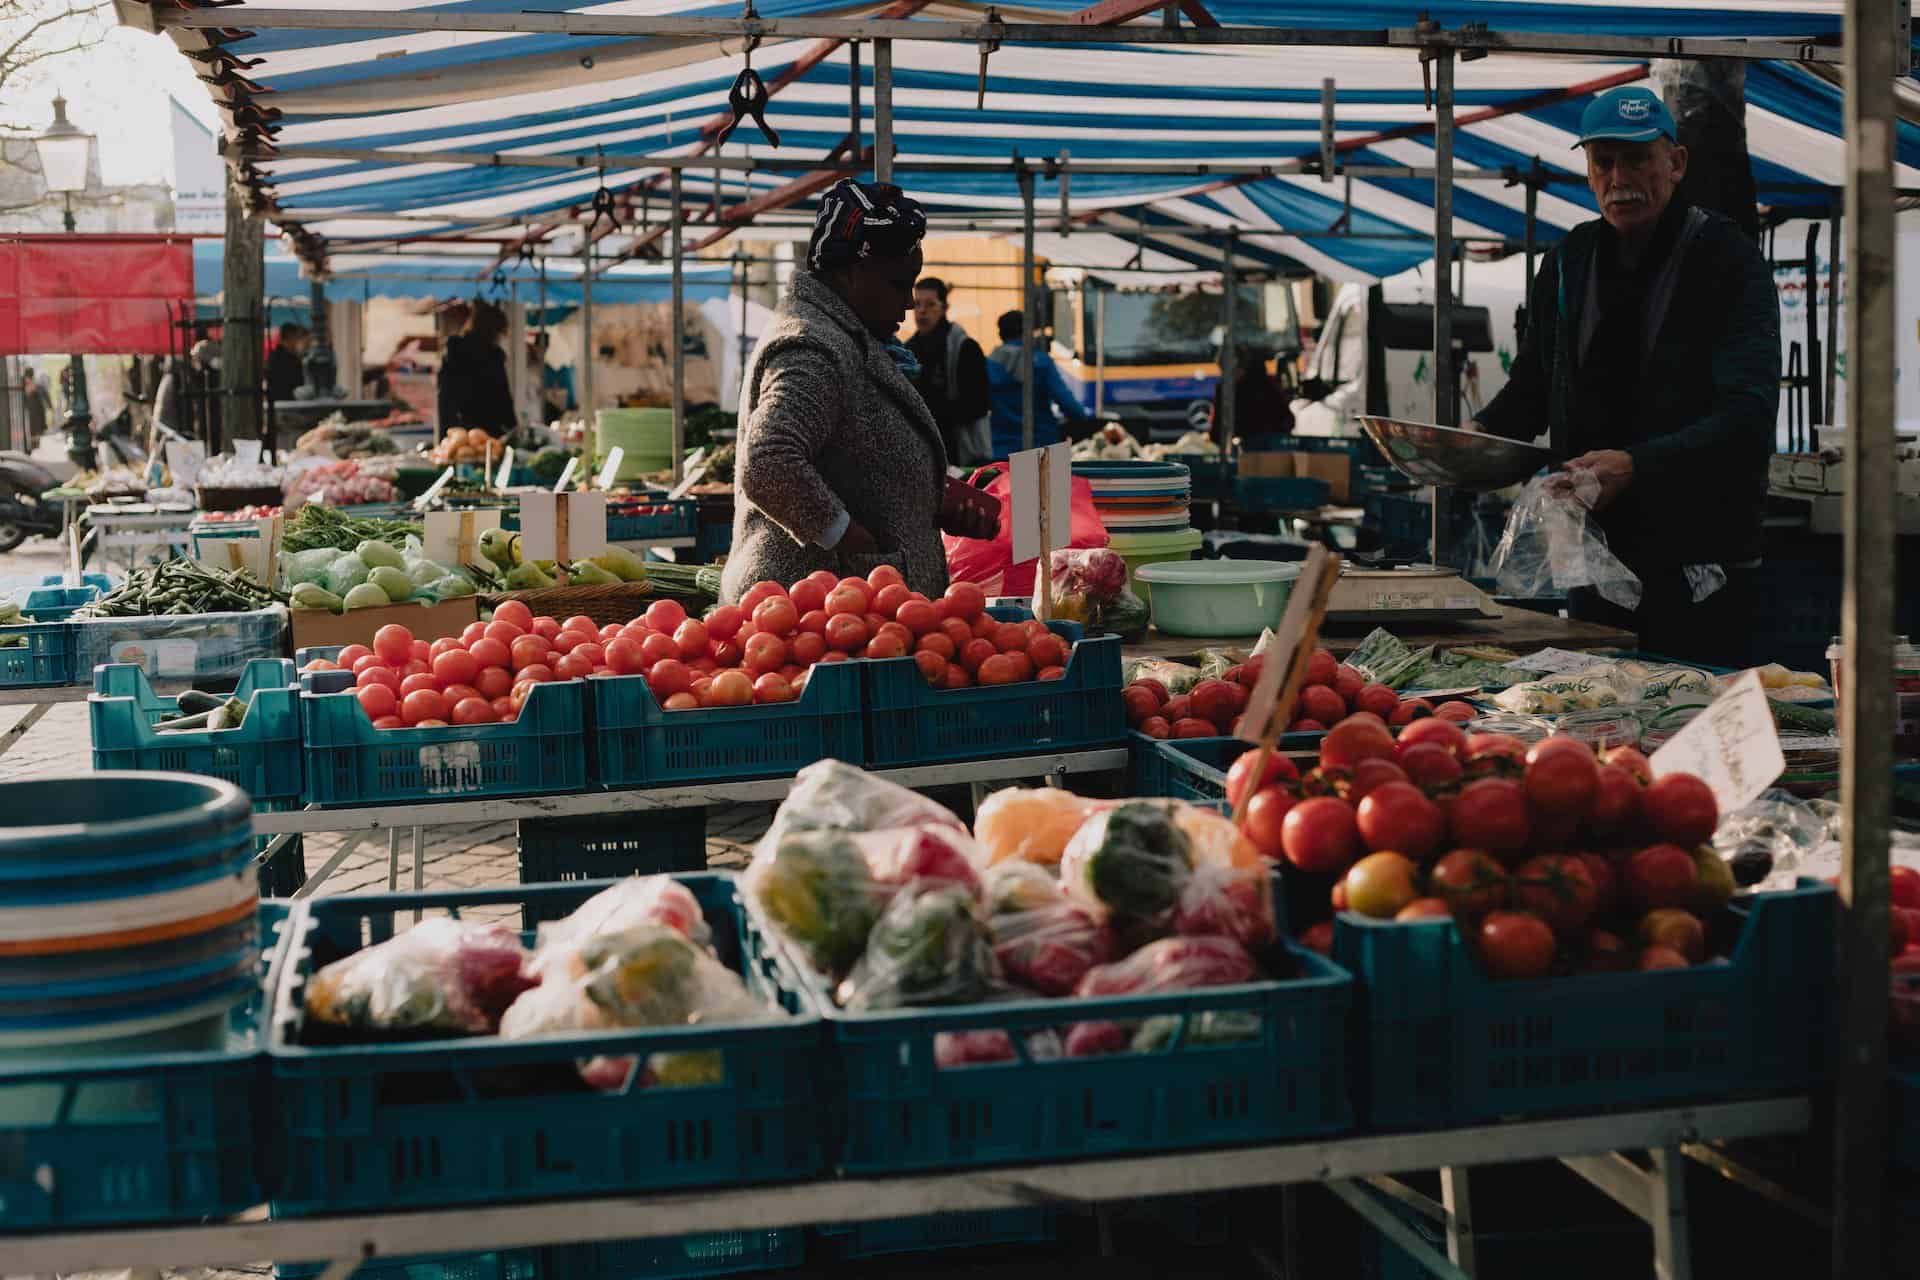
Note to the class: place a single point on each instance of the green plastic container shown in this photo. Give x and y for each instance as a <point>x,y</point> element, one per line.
<point>644,436</point>
<point>1219,597</point>
<point>1139,549</point>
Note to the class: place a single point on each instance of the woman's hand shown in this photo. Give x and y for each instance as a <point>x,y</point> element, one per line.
<point>964,516</point>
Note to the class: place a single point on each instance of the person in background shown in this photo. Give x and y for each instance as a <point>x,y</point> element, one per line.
<point>548,391</point>
<point>285,373</point>
<point>188,399</point>
<point>1260,408</point>
<point>1652,357</point>
<point>953,375</point>
<point>841,464</point>
<point>39,406</point>
<point>473,390</point>
<point>1054,406</point>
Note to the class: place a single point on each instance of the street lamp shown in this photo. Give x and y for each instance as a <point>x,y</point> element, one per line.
<point>64,151</point>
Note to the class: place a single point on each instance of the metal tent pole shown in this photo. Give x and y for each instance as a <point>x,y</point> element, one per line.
<point>1532,245</point>
<point>1832,352</point>
<point>587,352</point>
<point>679,335</point>
<point>1866,693</point>
<point>882,111</point>
<point>1026,305</point>
<point>1229,357</point>
<point>516,349</point>
<point>1099,352</point>
<point>1445,406</point>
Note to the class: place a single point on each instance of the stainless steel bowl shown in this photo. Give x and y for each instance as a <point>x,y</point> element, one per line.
<point>1458,459</point>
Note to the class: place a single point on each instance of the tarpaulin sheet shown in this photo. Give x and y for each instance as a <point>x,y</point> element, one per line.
<point>92,295</point>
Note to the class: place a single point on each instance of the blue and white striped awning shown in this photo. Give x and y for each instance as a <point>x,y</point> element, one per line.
<point>1243,109</point>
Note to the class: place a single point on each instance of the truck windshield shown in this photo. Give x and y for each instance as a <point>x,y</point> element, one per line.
<point>1177,327</point>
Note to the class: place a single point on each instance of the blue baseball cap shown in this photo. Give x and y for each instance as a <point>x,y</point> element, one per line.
<point>1628,114</point>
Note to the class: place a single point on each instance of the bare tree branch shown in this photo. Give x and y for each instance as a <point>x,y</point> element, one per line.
<point>34,31</point>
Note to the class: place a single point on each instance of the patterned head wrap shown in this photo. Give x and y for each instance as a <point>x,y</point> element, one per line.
<point>861,220</point>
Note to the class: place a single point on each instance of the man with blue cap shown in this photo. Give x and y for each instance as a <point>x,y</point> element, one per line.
<point>1652,361</point>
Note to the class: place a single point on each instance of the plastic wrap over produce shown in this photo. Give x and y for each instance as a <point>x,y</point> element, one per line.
<point>1130,862</point>
<point>1090,587</point>
<point>1043,939</point>
<point>1032,824</point>
<point>929,947</point>
<point>1550,547</point>
<point>443,975</point>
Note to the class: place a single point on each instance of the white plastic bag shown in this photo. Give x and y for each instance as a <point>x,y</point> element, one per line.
<point>1549,546</point>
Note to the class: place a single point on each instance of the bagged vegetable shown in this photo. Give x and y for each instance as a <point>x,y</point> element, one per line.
<point>1216,841</point>
<point>1176,677</point>
<point>1042,939</point>
<point>1229,902</point>
<point>629,904</point>
<point>1030,823</point>
<point>1604,684</point>
<point>830,795</point>
<point>1549,546</point>
<point>344,572</point>
<point>1172,964</point>
<point>307,566</point>
<point>1132,861</point>
<point>1215,1026</point>
<point>900,855</point>
<point>929,947</point>
<point>1093,574</point>
<point>989,1045</point>
<point>443,975</point>
<point>819,893</point>
<point>1126,616</point>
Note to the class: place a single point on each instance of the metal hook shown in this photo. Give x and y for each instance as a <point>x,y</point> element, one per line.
<point>987,47</point>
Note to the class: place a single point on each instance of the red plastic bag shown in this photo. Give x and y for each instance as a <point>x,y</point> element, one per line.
<point>989,561</point>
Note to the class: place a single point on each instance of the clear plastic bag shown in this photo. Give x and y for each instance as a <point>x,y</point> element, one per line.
<point>1095,575</point>
<point>633,902</point>
<point>442,975</point>
<point>831,795</point>
<point>900,855</point>
<point>1550,547</point>
<point>1229,902</point>
<point>1042,939</point>
<point>1172,964</point>
<point>307,566</point>
<point>1032,824</point>
<point>1132,861</point>
<point>818,893</point>
<point>929,947</point>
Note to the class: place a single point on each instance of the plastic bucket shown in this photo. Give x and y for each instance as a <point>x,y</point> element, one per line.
<point>1139,549</point>
<point>1219,597</point>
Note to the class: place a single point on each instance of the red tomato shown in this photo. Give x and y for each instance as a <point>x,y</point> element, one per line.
<point>668,678</point>
<point>1516,945</point>
<point>390,722</point>
<point>772,687</point>
<point>1616,801</point>
<point>593,651</point>
<point>1139,704</point>
<point>514,611</point>
<point>888,599</point>
<point>1155,727</point>
<point>703,664</point>
<point>1320,702</point>
<point>1398,816</point>
<point>1266,816</point>
<point>936,642</point>
<point>808,595</point>
<point>1051,651</point>
<point>856,584</point>
<point>666,615</point>
<point>609,632</point>
<point>1428,763</point>
<point>581,623</point>
<point>572,667</point>
<point>546,628</point>
<point>414,668</point>
<point>965,600</point>
<point>726,653</point>
<point>657,648</point>
<point>958,631</point>
<point>691,636</point>
<point>1471,881</point>
<point>474,710</point>
<point>1319,835</point>
<point>422,651</point>
<point>932,666</point>
<point>1353,740</point>
<point>1660,875</point>
<point>417,681</point>
<point>874,622</point>
<point>351,654</point>
<point>423,704</point>
<point>776,616</point>
<point>1561,778</point>
<point>730,689</point>
<point>998,669</point>
<point>1191,727</point>
<point>1455,711</point>
<point>846,600</point>
<point>886,645</point>
<point>377,675</point>
<point>1681,808</point>
<point>763,590</point>
<point>846,631</point>
<point>1239,773</point>
<point>898,632</point>
<point>526,651</point>
<point>454,692</point>
<point>1631,760</point>
<point>394,644</point>
<point>957,677</point>
<point>376,700</point>
<point>441,646</point>
<point>813,620</point>
<point>505,632</point>
<point>917,616</point>
<point>1490,814</point>
<point>1558,888</point>
<point>567,641</point>
<point>538,673</point>
<point>456,667</point>
<point>505,710</point>
<point>473,631</point>
<point>682,702</point>
<point>765,653</point>
<point>1442,733</point>
<point>974,653</point>
<point>885,576</point>
<point>521,688</point>
<point>490,652</point>
<point>365,663</point>
<point>808,648</point>
<point>1023,669</point>
<point>492,682</point>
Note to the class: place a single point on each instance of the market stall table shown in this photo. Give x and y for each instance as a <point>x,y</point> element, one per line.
<point>138,531</point>
<point>1521,630</point>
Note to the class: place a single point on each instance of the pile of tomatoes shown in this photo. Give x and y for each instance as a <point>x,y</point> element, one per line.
<point>754,653</point>
<point>1550,859</point>
<point>1329,692</point>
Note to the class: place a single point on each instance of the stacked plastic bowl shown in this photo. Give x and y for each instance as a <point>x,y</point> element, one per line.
<point>128,915</point>
<point>1144,507</point>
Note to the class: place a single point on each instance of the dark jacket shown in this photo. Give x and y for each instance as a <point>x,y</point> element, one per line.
<point>473,389</point>
<point>1699,418</point>
<point>953,378</point>
<point>828,423</point>
<point>285,373</point>
<point>1051,397</point>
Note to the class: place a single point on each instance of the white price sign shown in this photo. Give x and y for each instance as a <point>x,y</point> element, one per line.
<point>1731,745</point>
<point>1030,505</point>
<point>541,534</point>
<point>453,537</point>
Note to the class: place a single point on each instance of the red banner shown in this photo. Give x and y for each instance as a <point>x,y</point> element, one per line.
<point>93,295</point>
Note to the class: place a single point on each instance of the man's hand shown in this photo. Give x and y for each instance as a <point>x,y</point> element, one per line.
<point>1611,469</point>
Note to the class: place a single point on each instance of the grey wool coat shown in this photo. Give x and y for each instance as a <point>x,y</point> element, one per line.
<point>828,422</point>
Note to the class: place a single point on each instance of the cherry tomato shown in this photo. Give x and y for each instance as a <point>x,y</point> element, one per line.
<point>668,678</point>
<point>776,616</point>
<point>377,675</point>
<point>514,611</point>
<point>350,656</point>
<point>492,682</point>
<point>489,652</point>
<point>884,576</point>
<point>765,653</point>
<point>475,710</point>
<point>394,644</point>
<point>423,704</point>
<point>376,700</point>
<point>1516,945</point>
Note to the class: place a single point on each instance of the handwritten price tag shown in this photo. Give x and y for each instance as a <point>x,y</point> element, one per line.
<point>1731,745</point>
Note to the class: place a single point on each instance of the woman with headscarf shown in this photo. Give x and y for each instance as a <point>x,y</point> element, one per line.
<point>841,464</point>
<point>473,388</point>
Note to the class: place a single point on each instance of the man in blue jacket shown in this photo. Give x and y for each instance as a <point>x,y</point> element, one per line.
<point>1003,394</point>
<point>1653,363</point>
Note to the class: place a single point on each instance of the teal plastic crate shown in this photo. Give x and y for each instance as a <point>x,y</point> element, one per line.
<point>1287,1079</point>
<point>1280,493</point>
<point>261,755</point>
<point>641,842</point>
<point>671,518</point>
<point>725,1253</point>
<point>1442,1044</point>
<point>348,761</point>
<point>57,604</point>
<point>502,1264</point>
<point>484,1120</point>
<point>638,743</point>
<point>196,646</point>
<point>939,1232</point>
<point>1196,768</point>
<point>909,723</point>
<point>160,1137</point>
<point>36,655</point>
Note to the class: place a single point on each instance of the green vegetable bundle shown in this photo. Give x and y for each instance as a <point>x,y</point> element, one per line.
<point>182,587</point>
<point>322,526</point>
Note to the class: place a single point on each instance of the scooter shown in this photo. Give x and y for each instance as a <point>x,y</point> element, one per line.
<point>22,513</point>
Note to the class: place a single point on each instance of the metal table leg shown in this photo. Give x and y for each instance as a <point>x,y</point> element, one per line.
<point>419,866</point>
<point>1388,1224</point>
<point>12,737</point>
<point>1672,1242</point>
<point>393,860</point>
<point>311,887</point>
<point>1457,1200</point>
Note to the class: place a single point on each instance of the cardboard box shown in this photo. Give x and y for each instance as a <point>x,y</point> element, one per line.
<point>356,626</point>
<point>1334,468</point>
<point>1277,466</point>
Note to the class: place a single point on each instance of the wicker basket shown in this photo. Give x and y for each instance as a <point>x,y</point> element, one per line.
<point>616,603</point>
